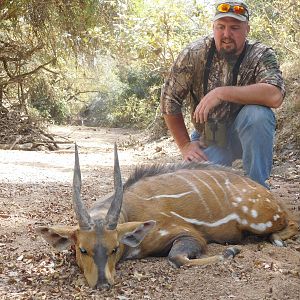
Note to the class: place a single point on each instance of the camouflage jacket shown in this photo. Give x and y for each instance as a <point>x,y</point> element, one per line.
<point>258,66</point>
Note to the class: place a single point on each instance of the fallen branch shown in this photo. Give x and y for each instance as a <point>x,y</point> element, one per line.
<point>21,132</point>
<point>15,142</point>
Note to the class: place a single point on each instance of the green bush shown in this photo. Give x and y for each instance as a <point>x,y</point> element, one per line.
<point>48,101</point>
<point>137,105</point>
<point>134,112</point>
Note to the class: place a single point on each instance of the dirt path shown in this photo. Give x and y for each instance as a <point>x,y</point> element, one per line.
<point>35,188</point>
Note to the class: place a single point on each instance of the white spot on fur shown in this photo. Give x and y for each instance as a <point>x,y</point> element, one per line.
<point>245,209</point>
<point>254,213</point>
<point>238,199</point>
<point>163,232</point>
<point>244,190</point>
<point>252,200</point>
<point>276,217</point>
<point>244,222</point>
<point>227,182</point>
<point>235,204</point>
<point>261,226</point>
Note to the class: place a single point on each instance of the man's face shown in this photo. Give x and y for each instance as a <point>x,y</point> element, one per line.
<point>230,35</point>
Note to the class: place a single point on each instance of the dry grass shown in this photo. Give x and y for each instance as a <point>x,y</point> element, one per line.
<point>288,117</point>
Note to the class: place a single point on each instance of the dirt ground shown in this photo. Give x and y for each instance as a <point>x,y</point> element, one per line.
<point>35,188</point>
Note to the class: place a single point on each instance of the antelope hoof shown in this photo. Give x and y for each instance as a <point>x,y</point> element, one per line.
<point>278,243</point>
<point>231,252</point>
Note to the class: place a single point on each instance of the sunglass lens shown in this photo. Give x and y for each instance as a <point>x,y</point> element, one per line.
<point>224,7</point>
<point>239,9</point>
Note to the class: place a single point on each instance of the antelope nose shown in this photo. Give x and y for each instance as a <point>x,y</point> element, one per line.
<point>103,286</point>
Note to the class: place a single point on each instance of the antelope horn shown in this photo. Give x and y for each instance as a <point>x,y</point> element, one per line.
<point>115,207</point>
<point>83,217</point>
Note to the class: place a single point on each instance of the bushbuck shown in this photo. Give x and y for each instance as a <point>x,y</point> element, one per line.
<point>168,210</point>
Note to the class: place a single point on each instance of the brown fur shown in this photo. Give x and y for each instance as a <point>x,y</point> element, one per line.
<point>172,210</point>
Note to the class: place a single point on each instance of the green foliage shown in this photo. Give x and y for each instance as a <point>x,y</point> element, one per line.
<point>137,104</point>
<point>276,23</point>
<point>56,57</point>
<point>132,112</point>
<point>153,32</point>
<point>138,82</point>
<point>47,40</point>
<point>48,101</point>
<point>148,37</point>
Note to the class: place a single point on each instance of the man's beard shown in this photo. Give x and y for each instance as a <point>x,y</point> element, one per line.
<point>228,54</point>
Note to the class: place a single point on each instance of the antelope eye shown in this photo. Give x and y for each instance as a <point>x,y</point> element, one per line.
<point>115,250</point>
<point>82,250</point>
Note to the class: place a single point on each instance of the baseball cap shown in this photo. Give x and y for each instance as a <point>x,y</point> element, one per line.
<point>234,9</point>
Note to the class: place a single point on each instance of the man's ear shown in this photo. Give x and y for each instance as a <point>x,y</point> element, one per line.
<point>248,28</point>
<point>133,233</point>
<point>59,237</point>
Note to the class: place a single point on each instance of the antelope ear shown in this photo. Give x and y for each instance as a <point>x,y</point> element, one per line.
<point>59,237</point>
<point>135,232</point>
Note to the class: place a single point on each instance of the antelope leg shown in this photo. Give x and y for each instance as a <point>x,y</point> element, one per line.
<point>187,251</point>
<point>185,248</point>
<point>279,237</point>
<point>228,253</point>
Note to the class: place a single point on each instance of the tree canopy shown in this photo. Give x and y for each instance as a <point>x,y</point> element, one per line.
<point>58,56</point>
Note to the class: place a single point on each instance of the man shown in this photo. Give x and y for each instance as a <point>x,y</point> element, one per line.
<point>232,85</point>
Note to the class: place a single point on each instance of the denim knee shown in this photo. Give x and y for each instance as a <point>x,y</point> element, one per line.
<point>255,126</point>
<point>256,117</point>
<point>195,135</point>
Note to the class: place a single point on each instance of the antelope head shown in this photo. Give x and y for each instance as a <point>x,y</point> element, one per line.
<point>99,243</point>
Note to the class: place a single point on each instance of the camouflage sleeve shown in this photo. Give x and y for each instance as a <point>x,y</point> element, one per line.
<point>177,84</point>
<point>268,71</point>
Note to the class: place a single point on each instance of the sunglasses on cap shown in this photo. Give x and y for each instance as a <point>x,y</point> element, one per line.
<point>236,9</point>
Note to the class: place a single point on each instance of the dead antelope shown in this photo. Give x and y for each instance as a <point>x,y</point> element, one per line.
<point>168,210</point>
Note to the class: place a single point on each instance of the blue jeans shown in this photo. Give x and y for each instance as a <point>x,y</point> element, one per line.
<point>250,137</point>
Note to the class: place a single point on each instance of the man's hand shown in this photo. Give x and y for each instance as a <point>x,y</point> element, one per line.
<point>189,150</point>
<point>259,93</point>
<point>207,103</point>
<point>193,151</point>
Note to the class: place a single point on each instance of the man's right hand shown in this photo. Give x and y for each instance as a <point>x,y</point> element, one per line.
<point>193,151</point>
